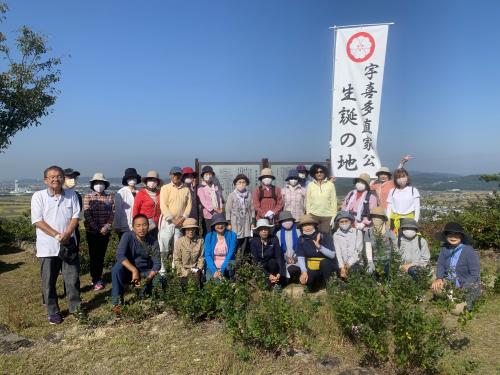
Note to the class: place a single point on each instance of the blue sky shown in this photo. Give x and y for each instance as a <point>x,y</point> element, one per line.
<point>157,83</point>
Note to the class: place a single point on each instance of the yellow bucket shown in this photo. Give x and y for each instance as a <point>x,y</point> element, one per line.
<point>313,263</point>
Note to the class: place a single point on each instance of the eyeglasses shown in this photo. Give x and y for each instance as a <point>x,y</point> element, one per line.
<point>58,177</point>
<point>319,172</point>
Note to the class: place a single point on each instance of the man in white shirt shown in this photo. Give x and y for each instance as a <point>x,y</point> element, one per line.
<point>55,213</point>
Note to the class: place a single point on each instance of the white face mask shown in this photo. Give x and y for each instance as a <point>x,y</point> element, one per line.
<point>152,184</point>
<point>70,183</point>
<point>360,186</point>
<point>345,227</point>
<point>293,181</point>
<point>132,182</point>
<point>402,181</point>
<point>287,224</point>
<point>409,233</point>
<point>302,175</point>
<point>99,187</point>
<point>188,181</point>
<point>207,177</point>
<point>267,181</point>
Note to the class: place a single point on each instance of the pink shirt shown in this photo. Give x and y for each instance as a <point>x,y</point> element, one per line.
<point>220,252</point>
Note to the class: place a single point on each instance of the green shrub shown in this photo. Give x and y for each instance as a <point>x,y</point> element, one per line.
<point>17,229</point>
<point>384,314</point>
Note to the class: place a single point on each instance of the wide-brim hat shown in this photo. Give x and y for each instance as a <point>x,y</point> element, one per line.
<point>263,223</point>
<point>99,176</point>
<point>266,172</point>
<point>378,212</point>
<point>408,223</point>
<point>285,215</point>
<point>71,172</point>
<point>384,170</point>
<point>151,175</point>
<point>130,173</point>
<point>453,228</point>
<point>344,215</point>
<point>307,220</point>
<point>241,176</point>
<point>207,169</point>
<point>363,177</point>
<point>301,168</point>
<point>292,175</point>
<point>217,219</point>
<point>189,223</point>
<point>315,167</point>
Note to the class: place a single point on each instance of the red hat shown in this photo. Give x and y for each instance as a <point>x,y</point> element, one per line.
<point>187,170</point>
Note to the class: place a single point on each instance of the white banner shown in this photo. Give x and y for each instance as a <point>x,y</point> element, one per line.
<point>357,93</point>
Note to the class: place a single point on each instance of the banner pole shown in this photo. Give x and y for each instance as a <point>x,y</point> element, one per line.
<point>331,112</point>
<point>335,27</point>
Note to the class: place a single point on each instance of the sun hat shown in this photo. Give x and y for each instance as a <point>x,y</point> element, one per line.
<point>266,172</point>
<point>452,227</point>
<point>292,175</point>
<point>363,177</point>
<point>307,220</point>
<point>263,223</point>
<point>71,172</point>
<point>150,176</point>
<point>130,173</point>
<point>207,169</point>
<point>285,215</point>
<point>189,223</point>
<point>408,223</point>
<point>301,168</point>
<point>188,170</point>
<point>175,170</point>
<point>241,176</point>
<point>99,176</point>
<point>217,219</point>
<point>378,212</point>
<point>383,170</point>
<point>344,215</point>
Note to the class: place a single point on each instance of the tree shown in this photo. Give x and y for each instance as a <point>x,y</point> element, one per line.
<point>27,88</point>
<point>491,178</point>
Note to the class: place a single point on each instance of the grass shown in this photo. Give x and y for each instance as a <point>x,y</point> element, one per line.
<point>14,206</point>
<point>165,344</point>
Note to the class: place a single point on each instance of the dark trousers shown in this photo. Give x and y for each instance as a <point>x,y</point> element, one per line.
<point>121,278</point>
<point>49,271</point>
<point>98,245</point>
<point>271,267</point>
<point>294,272</point>
<point>317,278</point>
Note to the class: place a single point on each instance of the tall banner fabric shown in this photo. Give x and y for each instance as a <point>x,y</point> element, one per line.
<point>357,93</point>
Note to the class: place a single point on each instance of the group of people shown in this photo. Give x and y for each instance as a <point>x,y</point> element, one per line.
<point>295,234</point>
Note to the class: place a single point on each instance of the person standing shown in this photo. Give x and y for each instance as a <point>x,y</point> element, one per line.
<point>98,212</point>
<point>360,201</point>
<point>189,179</point>
<point>55,213</point>
<point>70,182</point>
<point>147,201</point>
<point>384,183</point>
<point>294,195</point>
<point>240,213</point>
<point>267,198</point>
<point>175,204</point>
<point>321,200</point>
<point>209,195</point>
<point>124,202</point>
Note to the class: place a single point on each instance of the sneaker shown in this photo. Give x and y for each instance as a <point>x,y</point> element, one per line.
<point>55,318</point>
<point>99,285</point>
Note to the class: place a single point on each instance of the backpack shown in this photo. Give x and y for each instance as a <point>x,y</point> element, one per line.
<point>273,193</point>
<point>366,203</point>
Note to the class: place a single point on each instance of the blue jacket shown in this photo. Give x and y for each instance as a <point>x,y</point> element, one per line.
<point>467,268</point>
<point>143,259</point>
<point>211,241</point>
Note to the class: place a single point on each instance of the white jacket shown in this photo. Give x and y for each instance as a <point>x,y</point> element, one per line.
<point>124,204</point>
